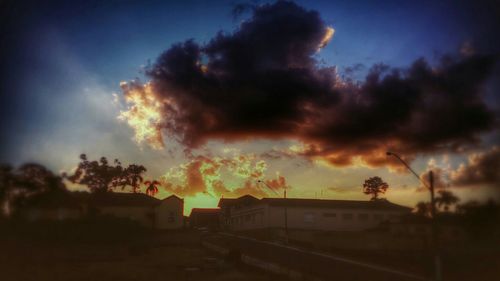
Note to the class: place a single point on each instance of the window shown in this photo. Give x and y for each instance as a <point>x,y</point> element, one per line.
<point>329,215</point>
<point>309,217</point>
<point>347,216</point>
<point>378,217</point>
<point>362,217</point>
<point>171,217</point>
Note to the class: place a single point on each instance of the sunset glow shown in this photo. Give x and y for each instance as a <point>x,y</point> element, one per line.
<point>308,96</point>
<point>249,140</point>
<point>143,114</point>
<point>327,37</point>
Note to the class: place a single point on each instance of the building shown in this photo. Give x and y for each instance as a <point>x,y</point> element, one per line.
<point>148,211</point>
<point>144,209</point>
<point>53,206</point>
<point>170,213</point>
<point>205,217</point>
<point>250,213</point>
<point>230,206</point>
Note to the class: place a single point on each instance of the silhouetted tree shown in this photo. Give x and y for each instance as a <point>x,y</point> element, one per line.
<point>6,178</point>
<point>99,176</point>
<point>35,178</point>
<point>152,187</point>
<point>446,199</point>
<point>481,219</point>
<point>423,209</point>
<point>27,181</point>
<point>6,184</point>
<point>375,186</point>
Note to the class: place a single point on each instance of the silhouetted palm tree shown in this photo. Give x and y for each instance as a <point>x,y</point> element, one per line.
<point>423,209</point>
<point>152,187</point>
<point>446,199</point>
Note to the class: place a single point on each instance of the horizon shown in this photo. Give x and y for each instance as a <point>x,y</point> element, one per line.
<point>185,213</point>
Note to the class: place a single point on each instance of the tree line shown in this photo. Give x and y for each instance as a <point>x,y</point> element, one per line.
<point>479,219</point>
<point>24,184</point>
<point>445,199</point>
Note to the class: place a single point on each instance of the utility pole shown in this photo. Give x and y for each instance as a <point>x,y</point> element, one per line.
<point>434,234</point>
<point>286,215</point>
<point>285,207</point>
<point>435,246</point>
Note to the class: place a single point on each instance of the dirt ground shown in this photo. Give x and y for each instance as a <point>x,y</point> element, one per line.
<point>109,250</point>
<point>87,263</point>
<point>153,256</point>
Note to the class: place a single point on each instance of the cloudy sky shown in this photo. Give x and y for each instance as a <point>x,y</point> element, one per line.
<point>213,96</point>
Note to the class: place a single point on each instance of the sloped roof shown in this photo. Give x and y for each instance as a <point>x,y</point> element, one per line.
<point>123,199</point>
<point>313,203</point>
<point>226,202</point>
<point>340,204</point>
<point>196,211</point>
<point>54,200</point>
<point>173,196</point>
<point>77,199</point>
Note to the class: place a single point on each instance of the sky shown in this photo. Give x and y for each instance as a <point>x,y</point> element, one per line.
<point>213,97</point>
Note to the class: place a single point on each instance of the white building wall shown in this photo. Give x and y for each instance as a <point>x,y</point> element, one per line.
<point>143,215</point>
<point>248,218</point>
<point>323,219</point>
<point>328,219</point>
<point>170,213</point>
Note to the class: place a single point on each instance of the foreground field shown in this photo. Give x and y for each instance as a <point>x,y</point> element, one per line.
<point>87,263</point>
<point>143,256</point>
<point>118,250</point>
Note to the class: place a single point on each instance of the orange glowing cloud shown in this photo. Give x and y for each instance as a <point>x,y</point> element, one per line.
<point>143,113</point>
<point>203,175</point>
<point>329,31</point>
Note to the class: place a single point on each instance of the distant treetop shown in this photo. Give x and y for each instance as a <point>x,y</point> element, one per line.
<point>375,186</point>
<point>100,176</point>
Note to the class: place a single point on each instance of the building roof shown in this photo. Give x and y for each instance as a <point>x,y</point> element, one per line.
<point>54,200</point>
<point>123,199</point>
<point>313,203</point>
<point>196,211</point>
<point>173,196</point>
<point>77,199</point>
<point>226,202</point>
<point>340,204</point>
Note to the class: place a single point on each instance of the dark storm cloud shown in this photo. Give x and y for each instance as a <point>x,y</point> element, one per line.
<point>263,80</point>
<point>482,168</point>
<point>419,109</point>
<point>257,80</point>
